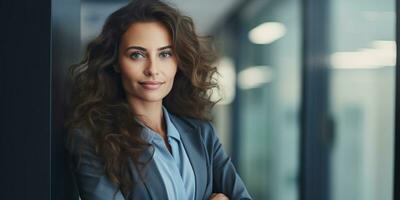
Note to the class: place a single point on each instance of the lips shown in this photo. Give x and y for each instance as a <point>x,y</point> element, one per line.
<point>151,85</point>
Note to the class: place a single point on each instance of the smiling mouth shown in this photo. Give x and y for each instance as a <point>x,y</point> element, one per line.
<point>151,85</point>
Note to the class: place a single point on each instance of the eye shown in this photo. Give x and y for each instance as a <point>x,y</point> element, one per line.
<point>136,55</point>
<point>166,54</point>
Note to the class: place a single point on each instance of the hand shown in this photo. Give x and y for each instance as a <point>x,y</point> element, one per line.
<point>218,196</point>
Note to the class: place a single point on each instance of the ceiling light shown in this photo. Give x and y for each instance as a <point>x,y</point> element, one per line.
<point>255,76</point>
<point>267,32</point>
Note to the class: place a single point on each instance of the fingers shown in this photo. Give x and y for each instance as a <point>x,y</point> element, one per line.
<point>218,196</point>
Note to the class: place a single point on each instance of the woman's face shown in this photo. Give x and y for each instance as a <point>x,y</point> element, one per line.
<point>147,62</point>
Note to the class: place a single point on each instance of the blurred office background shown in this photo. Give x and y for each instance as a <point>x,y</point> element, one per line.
<point>308,92</point>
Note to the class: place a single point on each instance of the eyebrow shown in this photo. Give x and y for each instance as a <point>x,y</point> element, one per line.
<point>143,49</point>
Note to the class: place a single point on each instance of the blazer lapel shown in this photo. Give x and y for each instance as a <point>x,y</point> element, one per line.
<point>151,179</point>
<point>191,140</point>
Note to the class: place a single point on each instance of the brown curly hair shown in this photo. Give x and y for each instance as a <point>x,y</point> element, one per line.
<point>98,102</point>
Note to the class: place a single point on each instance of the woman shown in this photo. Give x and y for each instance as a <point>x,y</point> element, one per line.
<point>139,126</point>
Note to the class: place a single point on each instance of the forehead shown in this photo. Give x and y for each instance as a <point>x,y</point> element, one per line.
<point>146,34</point>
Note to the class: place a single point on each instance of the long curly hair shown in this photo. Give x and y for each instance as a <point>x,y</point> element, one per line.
<point>98,101</point>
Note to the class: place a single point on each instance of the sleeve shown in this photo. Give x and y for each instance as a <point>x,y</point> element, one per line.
<point>88,169</point>
<point>225,178</point>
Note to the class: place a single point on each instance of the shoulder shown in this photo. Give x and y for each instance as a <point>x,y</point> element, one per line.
<point>193,123</point>
<point>78,139</point>
<point>205,128</point>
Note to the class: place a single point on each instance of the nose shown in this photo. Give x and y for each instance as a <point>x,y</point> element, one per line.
<point>151,68</point>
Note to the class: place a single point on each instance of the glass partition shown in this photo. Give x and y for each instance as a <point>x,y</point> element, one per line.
<point>362,58</point>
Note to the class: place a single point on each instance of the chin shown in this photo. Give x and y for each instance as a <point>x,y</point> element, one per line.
<point>149,96</point>
<point>152,97</point>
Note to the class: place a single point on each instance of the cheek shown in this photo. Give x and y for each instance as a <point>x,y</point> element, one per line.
<point>129,71</point>
<point>173,70</point>
<point>173,74</point>
<point>129,77</point>
<point>171,77</point>
<point>128,74</point>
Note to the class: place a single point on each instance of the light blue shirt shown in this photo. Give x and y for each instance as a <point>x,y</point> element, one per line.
<point>176,171</point>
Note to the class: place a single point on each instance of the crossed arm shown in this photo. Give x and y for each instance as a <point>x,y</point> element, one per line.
<point>93,184</point>
<point>226,181</point>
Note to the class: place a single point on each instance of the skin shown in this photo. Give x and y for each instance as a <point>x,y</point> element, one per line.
<point>147,65</point>
<point>218,196</point>
<point>146,56</point>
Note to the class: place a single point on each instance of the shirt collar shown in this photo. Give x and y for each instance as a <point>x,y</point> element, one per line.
<point>171,129</point>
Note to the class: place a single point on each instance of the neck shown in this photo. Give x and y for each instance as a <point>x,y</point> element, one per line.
<point>149,113</point>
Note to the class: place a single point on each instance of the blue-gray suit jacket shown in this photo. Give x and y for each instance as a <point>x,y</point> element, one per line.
<point>213,169</point>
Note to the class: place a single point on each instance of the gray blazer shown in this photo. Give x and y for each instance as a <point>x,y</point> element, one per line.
<point>213,169</point>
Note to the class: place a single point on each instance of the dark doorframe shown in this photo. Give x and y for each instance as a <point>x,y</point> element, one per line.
<point>38,40</point>
<point>25,97</point>
<point>316,124</point>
